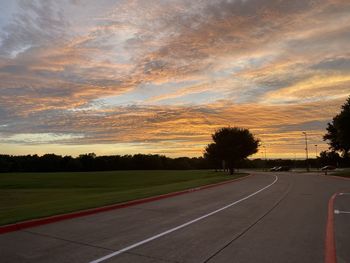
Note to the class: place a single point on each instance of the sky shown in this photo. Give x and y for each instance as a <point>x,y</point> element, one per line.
<point>135,76</point>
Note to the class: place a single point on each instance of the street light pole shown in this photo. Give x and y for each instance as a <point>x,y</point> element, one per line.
<point>316,161</point>
<point>316,150</point>
<point>307,153</point>
<point>265,157</point>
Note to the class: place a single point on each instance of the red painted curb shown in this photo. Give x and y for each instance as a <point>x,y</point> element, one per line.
<point>330,249</point>
<point>51,219</point>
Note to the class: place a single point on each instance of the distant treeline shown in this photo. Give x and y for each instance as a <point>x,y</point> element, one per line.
<point>91,162</point>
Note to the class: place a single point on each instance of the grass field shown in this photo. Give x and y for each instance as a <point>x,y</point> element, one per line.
<point>32,195</point>
<point>344,173</point>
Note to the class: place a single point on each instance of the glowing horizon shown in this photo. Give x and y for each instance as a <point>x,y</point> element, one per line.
<point>125,77</point>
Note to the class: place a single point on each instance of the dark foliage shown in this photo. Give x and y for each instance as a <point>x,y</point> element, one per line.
<point>338,131</point>
<point>232,145</point>
<point>333,158</point>
<point>212,156</point>
<point>91,162</point>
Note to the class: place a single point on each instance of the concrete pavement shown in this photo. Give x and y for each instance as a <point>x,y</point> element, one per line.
<point>342,226</point>
<point>283,223</point>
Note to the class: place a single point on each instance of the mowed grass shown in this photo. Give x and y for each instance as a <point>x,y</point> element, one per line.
<point>344,173</point>
<point>26,196</point>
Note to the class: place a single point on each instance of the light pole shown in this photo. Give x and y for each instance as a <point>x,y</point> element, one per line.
<point>265,157</point>
<point>316,150</point>
<point>307,153</point>
<point>316,161</point>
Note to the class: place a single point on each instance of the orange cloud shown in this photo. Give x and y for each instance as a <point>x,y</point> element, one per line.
<point>170,129</point>
<point>275,67</point>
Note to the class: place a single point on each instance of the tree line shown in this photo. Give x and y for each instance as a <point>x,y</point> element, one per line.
<point>91,162</point>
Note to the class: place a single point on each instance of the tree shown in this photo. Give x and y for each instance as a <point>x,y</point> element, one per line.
<point>338,131</point>
<point>211,155</point>
<point>329,158</point>
<point>232,145</point>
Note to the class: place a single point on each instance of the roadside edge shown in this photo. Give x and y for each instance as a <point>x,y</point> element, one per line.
<point>80,213</point>
<point>330,255</point>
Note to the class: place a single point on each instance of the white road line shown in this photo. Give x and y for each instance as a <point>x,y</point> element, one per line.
<point>341,212</point>
<point>180,226</point>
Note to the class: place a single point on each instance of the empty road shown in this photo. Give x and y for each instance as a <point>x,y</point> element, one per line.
<point>267,217</point>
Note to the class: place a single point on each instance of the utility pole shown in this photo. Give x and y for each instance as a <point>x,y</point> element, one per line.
<point>316,161</point>
<point>316,150</point>
<point>307,153</point>
<point>265,157</point>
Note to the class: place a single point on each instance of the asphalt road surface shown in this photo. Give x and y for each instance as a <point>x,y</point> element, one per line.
<point>268,217</point>
<point>342,226</point>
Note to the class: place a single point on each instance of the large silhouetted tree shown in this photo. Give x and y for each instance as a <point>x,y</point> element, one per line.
<point>338,131</point>
<point>212,156</point>
<point>232,145</point>
<point>329,158</point>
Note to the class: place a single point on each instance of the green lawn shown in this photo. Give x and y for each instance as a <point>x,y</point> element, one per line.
<point>32,195</point>
<point>344,173</point>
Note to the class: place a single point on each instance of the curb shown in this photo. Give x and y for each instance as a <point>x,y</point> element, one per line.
<point>330,255</point>
<point>56,218</point>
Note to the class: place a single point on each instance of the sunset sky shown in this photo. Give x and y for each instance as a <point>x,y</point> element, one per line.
<point>123,77</point>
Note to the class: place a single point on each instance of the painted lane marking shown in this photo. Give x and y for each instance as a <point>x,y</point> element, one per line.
<point>341,212</point>
<point>118,252</point>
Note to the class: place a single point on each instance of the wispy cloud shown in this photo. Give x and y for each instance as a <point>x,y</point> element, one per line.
<point>161,72</point>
